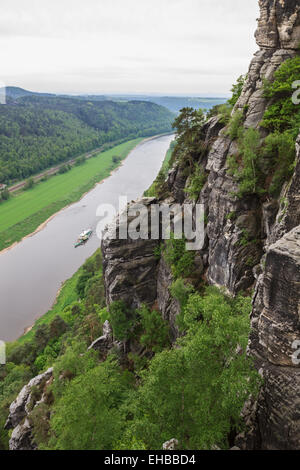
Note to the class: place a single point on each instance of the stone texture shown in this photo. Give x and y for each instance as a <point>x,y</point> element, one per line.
<point>129,267</point>
<point>274,421</point>
<point>171,445</point>
<point>250,242</point>
<point>19,410</point>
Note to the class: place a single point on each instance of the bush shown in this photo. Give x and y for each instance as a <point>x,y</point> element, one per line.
<point>29,184</point>
<point>64,169</point>
<point>196,183</point>
<point>283,114</point>
<point>179,259</point>
<point>279,152</point>
<point>237,89</point>
<point>4,195</point>
<point>122,320</point>
<point>235,127</point>
<point>196,392</point>
<point>247,172</point>
<point>155,336</point>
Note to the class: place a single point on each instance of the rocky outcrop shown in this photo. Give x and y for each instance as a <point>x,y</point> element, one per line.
<point>19,410</point>
<point>288,215</point>
<point>129,266</point>
<point>172,444</point>
<point>250,243</point>
<point>274,420</point>
<point>105,342</point>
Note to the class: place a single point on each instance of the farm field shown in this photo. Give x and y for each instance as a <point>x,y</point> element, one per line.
<point>25,211</point>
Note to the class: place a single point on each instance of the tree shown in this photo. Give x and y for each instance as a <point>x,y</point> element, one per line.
<point>87,416</point>
<point>5,194</point>
<point>237,89</point>
<point>196,392</point>
<point>188,127</point>
<point>122,320</point>
<point>155,335</point>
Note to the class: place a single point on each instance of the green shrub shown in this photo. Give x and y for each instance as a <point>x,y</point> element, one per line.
<point>235,126</point>
<point>4,195</point>
<point>122,320</point>
<point>196,392</point>
<point>237,89</point>
<point>197,181</point>
<point>155,336</point>
<point>179,259</point>
<point>247,172</point>
<point>279,152</point>
<point>283,114</point>
<point>29,184</point>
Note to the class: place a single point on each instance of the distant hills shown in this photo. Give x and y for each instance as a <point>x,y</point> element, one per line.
<point>39,130</point>
<point>173,103</point>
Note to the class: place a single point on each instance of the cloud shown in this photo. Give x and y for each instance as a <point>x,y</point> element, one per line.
<point>168,46</point>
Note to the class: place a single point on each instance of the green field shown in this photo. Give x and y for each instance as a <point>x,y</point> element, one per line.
<point>25,211</point>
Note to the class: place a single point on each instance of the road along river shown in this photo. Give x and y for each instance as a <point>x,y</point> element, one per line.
<point>32,271</point>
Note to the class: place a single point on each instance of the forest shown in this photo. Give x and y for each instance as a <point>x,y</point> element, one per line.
<point>38,131</point>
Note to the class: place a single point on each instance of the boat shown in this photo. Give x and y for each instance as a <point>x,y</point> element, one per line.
<point>83,237</point>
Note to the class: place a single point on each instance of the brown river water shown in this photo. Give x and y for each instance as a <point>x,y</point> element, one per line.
<point>32,271</point>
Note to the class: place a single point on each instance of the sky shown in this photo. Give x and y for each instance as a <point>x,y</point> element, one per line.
<point>169,47</point>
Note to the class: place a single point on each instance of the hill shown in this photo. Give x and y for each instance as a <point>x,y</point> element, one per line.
<point>38,130</point>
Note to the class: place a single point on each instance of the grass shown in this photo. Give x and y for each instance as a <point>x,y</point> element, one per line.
<point>25,211</point>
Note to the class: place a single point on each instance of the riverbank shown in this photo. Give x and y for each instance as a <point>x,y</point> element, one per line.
<point>34,270</point>
<point>66,293</point>
<point>28,212</point>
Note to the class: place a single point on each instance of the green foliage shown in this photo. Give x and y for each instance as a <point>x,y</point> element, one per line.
<point>80,160</point>
<point>122,320</point>
<point>179,259</point>
<point>196,182</point>
<point>193,391</point>
<point>37,132</point>
<point>64,168</point>
<point>159,187</point>
<point>247,172</point>
<point>4,195</point>
<point>282,118</point>
<point>181,290</point>
<point>25,211</point>
<point>249,148</point>
<point>12,379</point>
<point>98,423</point>
<point>231,215</point>
<point>235,127</point>
<point>196,392</point>
<point>279,154</point>
<point>29,184</point>
<point>155,336</point>
<point>283,114</point>
<point>221,110</point>
<point>237,89</point>
<point>189,135</point>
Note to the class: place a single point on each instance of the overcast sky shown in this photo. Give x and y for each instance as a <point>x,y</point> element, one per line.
<point>182,47</point>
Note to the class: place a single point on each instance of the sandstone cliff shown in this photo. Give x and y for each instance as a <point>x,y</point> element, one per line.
<point>132,272</point>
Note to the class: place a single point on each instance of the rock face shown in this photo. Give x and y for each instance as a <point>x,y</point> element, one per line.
<point>129,266</point>
<point>250,242</point>
<point>21,438</point>
<point>275,419</point>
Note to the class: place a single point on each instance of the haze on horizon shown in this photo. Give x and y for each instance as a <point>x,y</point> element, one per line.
<point>183,47</point>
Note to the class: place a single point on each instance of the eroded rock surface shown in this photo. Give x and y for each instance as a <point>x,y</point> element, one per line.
<point>250,243</point>
<point>21,438</point>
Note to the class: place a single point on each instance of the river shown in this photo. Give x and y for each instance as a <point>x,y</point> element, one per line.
<point>32,271</point>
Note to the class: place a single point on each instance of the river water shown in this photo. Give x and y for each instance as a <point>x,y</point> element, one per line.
<point>32,271</point>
